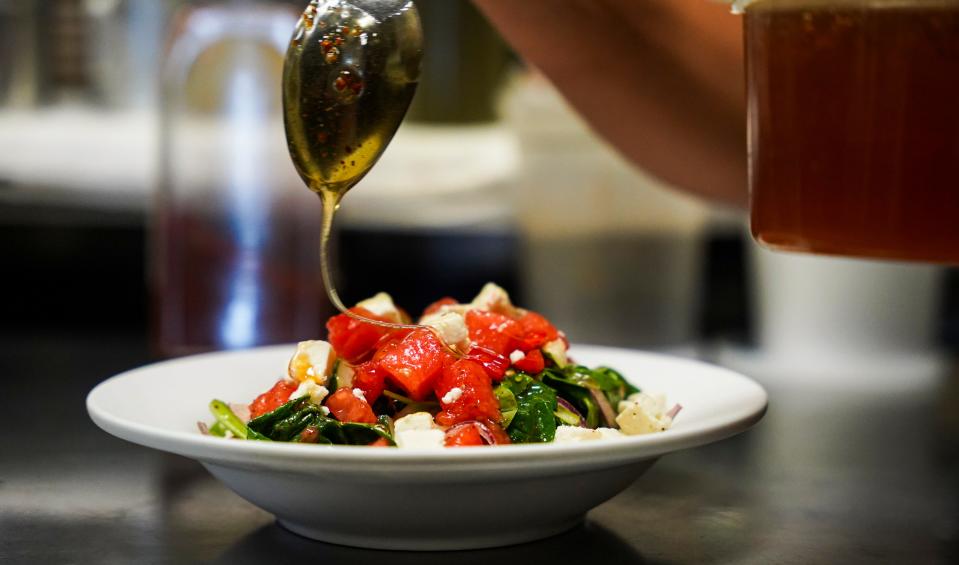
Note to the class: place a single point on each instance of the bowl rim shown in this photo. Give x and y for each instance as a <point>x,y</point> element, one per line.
<point>750,410</point>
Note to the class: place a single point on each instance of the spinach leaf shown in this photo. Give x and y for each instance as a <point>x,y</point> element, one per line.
<point>288,421</point>
<point>517,383</point>
<point>613,384</point>
<point>574,382</point>
<point>629,388</point>
<point>507,404</point>
<point>566,416</point>
<point>266,421</point>
<point>331,381</point>
<point>574,388</point>
<point>365,434</point>
<point>351,433</point>
<point>533,421</point>
<point>288,428</point>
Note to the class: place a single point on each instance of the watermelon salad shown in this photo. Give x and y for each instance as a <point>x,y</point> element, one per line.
<point>479,373</point>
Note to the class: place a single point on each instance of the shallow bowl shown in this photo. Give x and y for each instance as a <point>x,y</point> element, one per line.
<point>417,499</point>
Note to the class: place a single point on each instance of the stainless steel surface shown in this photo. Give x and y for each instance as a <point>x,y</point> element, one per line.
<point>839,478</point>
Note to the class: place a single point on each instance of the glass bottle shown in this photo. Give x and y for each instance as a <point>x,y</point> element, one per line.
<point>235,235</point>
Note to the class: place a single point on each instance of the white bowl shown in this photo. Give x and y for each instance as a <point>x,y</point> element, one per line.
<point>417,499</point>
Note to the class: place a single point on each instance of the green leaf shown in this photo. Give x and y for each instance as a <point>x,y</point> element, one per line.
<point>230,422</point>
<point>533,421</point>
<point>574,381</point>
<point>517,383</point>
<point>613,384</point>
<point>629,388</point>
<point>266,421</point>
<point>365,434</point>
<point>507,404</point>
<point>574,388</point>
<point>566,416</point>
<point>331,380</point>
<point>217,429</point>
<point>288,421</point>
<point>290,427</point>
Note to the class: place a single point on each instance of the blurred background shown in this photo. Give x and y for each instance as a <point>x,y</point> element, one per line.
<point>146,193</point>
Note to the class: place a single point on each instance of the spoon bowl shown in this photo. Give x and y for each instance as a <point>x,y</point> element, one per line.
<point>350,73</point>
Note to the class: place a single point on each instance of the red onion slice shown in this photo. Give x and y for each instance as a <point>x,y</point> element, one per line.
<point>567,405</point>
<point>673,411</point>
<point>609,415</point>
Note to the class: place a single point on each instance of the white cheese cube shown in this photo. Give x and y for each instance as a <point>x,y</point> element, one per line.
<point>381,304</point>
<point>312,360</point>
<point>421,439</point>
<point>643,413</point>
<point>516,356</point>
<point>451,327</point>
<point>654,403</point>
<point>575,434</point>
<point>418,431</point>
<point>609,433</point>
<point>414,421</point>
<point>309,388</point>
<point>493,298</point>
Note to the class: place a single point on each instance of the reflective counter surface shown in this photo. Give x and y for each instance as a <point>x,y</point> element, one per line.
<point>826,477</point>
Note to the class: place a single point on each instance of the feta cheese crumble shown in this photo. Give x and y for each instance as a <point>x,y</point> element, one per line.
<point>418,431</point>
<point>381,304</point>
<point>451,326</point>
<point>643,413</point>
<point>316,392</point>
<point>516,356</point>
<point>575,434</point>
<point>452,396</point>
<point>313,360</point>
<point>493,298</point>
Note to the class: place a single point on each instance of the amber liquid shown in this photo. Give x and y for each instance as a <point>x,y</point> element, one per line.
<point>854,127</point>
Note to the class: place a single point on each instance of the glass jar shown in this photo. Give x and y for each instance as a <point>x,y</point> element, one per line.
<point>854,126</point>
<point>235,235</point>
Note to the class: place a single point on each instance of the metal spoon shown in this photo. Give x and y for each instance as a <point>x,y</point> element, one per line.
<point>348,79</point>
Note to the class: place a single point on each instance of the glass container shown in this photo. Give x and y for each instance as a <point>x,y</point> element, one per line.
<point>235,234</point>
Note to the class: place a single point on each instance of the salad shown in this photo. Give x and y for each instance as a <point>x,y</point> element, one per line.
<point>481,373</point>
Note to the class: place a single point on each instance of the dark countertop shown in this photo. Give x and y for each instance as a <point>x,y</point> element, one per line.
<point>825,478</point>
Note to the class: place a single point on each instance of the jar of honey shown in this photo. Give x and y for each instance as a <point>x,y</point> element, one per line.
<point>854,126</point>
